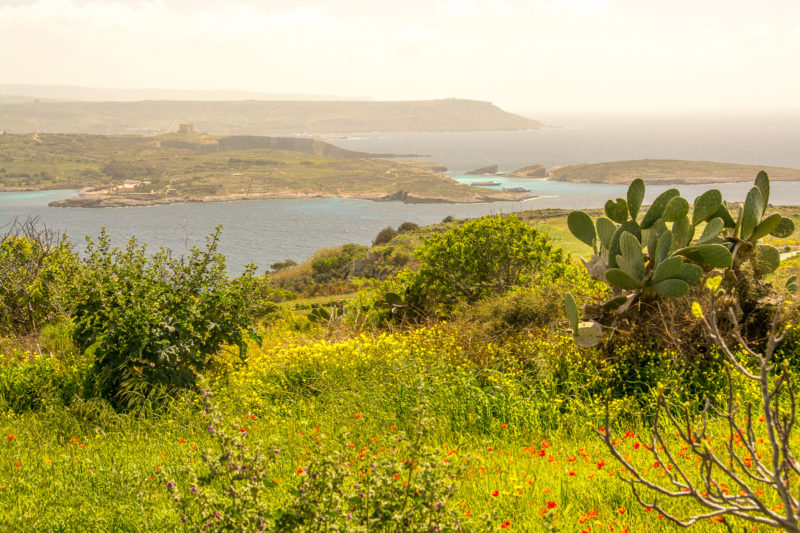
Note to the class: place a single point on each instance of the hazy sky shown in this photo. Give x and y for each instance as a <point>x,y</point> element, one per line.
<point>531,55</point>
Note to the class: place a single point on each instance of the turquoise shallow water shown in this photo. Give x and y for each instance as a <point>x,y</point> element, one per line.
<point>266,231</point>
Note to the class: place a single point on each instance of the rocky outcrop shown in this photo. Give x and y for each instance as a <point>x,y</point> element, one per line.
<point>491,169</point>
<point>136,200</point>
<point>531,171</point>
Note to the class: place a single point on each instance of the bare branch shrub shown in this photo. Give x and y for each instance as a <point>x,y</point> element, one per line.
<point>33,260</point>
<point>750,473</point>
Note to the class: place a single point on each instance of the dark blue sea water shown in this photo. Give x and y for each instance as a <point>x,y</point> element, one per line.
<point>758,139</point>
<point>266,231</point>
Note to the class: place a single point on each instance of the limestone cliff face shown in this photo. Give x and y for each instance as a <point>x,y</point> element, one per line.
<point>295,144</point>
<point>256,142</point>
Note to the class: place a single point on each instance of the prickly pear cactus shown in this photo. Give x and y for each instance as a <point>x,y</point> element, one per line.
<point>660,254</point>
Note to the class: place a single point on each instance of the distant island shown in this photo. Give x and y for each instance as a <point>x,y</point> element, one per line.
<point>256,117</point>
<point>668,171</point>
<point>132,170</point>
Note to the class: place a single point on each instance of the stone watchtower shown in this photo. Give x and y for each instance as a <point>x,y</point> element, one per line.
<point>187,129</point>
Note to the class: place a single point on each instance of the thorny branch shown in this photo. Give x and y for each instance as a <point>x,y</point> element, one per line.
<point>737,463</point>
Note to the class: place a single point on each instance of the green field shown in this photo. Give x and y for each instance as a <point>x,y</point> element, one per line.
<point>174,168</point>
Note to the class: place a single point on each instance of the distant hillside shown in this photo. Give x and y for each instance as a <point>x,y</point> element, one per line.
<point>667,171</point>
<point>252,117</point>
<point>127,170</point>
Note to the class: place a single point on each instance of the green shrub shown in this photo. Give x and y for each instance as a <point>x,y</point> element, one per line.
<point>411,490</point>
<point>155,322</point>
<point>35,265</point>
<point>228,493</point>
<point>485,256</point>
<point>407,226</point>
<point>123,170</point>
<point>385,235</point>
<point>40,383</point>
<point>282,265</point>
<point>519,310</point>
<point>337,265</point>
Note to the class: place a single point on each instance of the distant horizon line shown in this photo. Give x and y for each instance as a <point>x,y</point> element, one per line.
<point>86,93</point>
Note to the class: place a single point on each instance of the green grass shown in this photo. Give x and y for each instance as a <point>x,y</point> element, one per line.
<point>86,468</point>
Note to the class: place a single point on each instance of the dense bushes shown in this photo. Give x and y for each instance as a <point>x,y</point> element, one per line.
<point>35,265</point>
<point>40,383</point>
<point>124,170</point>
<point>336,266</point>
<point>486,256</point>
<point>154,322</point>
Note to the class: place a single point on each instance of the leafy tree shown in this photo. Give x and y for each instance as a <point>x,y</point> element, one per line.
<point>153,323</point>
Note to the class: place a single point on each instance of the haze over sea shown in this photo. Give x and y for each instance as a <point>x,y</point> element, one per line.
<point>266,231</point>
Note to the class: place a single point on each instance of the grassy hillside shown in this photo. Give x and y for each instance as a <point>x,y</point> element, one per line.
<point>259,117</point>
<point>667,171</point>
<point>134,170</point>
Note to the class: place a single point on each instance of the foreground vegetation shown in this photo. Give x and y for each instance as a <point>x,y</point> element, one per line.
<point>446,393</point>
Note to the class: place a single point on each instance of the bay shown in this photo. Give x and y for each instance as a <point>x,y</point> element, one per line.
<point>267,231</point>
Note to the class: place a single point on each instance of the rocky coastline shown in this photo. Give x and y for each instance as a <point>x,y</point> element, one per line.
<point>89,200</point>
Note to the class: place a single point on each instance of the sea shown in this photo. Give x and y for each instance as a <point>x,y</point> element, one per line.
<point>263,232</point>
